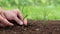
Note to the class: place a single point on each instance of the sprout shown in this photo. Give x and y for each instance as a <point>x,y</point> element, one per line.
<point>25,17</point>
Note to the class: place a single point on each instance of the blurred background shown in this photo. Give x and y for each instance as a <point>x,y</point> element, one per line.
<point>35,9</point>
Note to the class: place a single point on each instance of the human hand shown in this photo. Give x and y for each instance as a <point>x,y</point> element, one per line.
<point>15,15</point>
<point>4,21</point>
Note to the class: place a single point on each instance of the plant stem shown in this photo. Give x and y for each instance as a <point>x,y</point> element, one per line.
<point>25,17</point>
<point>45,15</point>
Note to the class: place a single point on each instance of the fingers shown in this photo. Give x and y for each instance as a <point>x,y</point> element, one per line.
<point>18,21</point>
<point>3,15</point>
<point>19,14</point>
<point>21,22</point>
<point>5,21</point>
<point>25,21</point>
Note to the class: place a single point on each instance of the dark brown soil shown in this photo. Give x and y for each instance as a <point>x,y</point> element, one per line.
<point>34,27</point>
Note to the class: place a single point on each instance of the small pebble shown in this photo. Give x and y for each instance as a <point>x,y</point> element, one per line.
<point>3,31</point>
<point>25,29</point>
<point>57,29</point>
<point>37,29</point>
<point>15,32</point>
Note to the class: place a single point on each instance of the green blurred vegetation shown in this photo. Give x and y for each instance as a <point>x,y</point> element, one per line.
<point>35,9</point>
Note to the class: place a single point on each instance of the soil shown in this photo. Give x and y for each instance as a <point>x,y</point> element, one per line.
<point>33,27</point>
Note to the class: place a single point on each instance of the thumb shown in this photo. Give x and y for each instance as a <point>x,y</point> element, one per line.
<point>18,21</point>
<point>25,21</point>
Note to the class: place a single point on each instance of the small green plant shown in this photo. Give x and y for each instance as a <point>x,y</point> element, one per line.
<point>45,16</point>
<point>25,16</point>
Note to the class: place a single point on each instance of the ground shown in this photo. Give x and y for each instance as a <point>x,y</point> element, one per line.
<point>34,27</point>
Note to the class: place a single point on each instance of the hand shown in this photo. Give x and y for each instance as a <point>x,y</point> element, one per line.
<point>15,15</point>
<point>3,21</point>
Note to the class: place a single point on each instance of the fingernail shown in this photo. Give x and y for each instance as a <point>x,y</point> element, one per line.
<point>21,23</point>
<point>11,24</point>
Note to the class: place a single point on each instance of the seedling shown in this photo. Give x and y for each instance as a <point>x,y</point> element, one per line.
<point>25,20</point>
<point>25,17</point>
<point>45,17</point>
